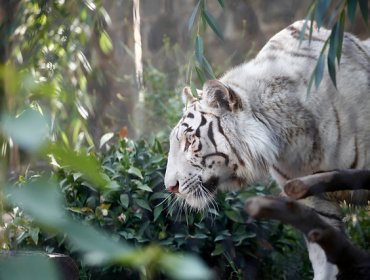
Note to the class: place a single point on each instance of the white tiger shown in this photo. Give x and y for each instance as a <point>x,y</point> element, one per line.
<point>258,119</point>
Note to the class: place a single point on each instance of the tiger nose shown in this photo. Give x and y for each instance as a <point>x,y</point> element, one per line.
<point>174,189</point>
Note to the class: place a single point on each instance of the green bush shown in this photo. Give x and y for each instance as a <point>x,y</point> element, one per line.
<point>136,208</point>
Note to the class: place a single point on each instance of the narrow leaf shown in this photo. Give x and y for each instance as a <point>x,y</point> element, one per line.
<point>212,23</point>
<point>193,16</point>
<point>208,68</point>
<point>320,11</point>
<point>333,46</point>
<point>199,49</point>
<point>332,73</point>
<point>319,70</point>
<point>351,10</point>
<point>200,74</point>
<point>222,3</point>
<point>340,31</point>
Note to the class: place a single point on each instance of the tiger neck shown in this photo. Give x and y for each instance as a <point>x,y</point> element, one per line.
<point>293,133</point>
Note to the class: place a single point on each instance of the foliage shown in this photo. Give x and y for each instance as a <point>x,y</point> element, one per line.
<point>332,13</point>
<point>357,224</point>
<point>201,17</point>
<point>138,211</point>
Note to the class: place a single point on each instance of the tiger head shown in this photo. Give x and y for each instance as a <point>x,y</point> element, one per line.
<point>208,150</point>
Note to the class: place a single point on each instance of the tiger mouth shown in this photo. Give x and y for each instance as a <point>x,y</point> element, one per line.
<point>211,184</point>
<point>201,194</point>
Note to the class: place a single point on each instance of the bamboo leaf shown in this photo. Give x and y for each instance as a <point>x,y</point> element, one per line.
<point>199,49</point>
<point>200,74</point>
<point>332,71</point>
<point>319,70</point>
<point>320,11</point>
<point>340,31</point>
<point>351,10</point>
<point>212,23</point>
<point>364,7</point>
<point>208,68</point>
<point>193,16</point>
<point>333,46</point>
<point>222,3</point>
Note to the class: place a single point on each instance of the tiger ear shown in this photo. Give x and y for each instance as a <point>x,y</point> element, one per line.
<point>187,96</point>
<point>219,96</point>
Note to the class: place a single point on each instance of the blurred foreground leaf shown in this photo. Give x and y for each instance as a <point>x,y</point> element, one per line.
<point>29,129</point>
<point>27,267</point>
<point>42,200</point>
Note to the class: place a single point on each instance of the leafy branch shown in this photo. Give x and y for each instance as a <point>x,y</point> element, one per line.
<point>332,12</point>
<point>200,19</point>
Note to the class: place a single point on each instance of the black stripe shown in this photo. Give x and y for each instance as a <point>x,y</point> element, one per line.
<point>199,147</point>
<point>196,165</point>
<point>327,215</point>
<point>190,115</point>
<point>189,129</point>
<point>219,154</point>
<point>304,55</point>
<point>202,122</point>
<point>282,174</point>
<point>210,134</point>
<point>221,130</point>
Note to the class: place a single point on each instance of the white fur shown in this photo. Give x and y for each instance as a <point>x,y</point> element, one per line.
<point>278,128</point>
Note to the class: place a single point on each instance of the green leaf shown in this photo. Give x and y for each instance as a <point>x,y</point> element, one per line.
<point>234,216</point>
<point>34,234</point>
<point>145,187</point>
<point>332,71</point>
<point>199,49</point>
<point>219,249</point>
<point>333,46</point>
<point>40,199</point>
<point>320,11</point>
<point>86,164</point>
<point>208,68</point>
<point>124,199</point>
<point>143,204</point>
<point>200,75</point>
<point>185,267</point>
<point>193,15</point>
<point>319,71</point>
<point>364,7</point>
<point>29,129</point>
<point>212,23</point>
<point>222,3</point>
<point>351,10</point>
<point>135,171</point>
<point>105,138</point>
<point>157,212</point>
<point>105,42</point>
<point>342,20</point>
<point>28,266</point>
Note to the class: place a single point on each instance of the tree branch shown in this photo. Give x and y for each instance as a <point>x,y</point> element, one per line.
<point>346,179</point>
<point>351,261</point>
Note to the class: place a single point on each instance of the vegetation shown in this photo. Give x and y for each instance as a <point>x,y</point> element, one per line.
<point>72,179</point>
